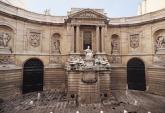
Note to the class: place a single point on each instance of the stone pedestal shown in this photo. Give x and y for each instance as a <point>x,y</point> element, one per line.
<point>88,79</point>
<point>89,88</point>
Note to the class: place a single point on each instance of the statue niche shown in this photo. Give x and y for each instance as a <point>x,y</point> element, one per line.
<point>115,44</point>
<point>55,49</point>
<point>160,42</point>
<point>56,44</point>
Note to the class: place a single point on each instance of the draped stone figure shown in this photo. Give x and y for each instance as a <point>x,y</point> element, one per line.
<point>160,42</point>
<point>88,53</point>
<point>4,39</point>
<point>56,44</point>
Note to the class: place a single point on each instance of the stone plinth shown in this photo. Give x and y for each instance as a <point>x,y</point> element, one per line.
<point>88,86</point>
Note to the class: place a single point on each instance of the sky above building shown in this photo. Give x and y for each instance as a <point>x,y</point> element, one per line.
<point>113,8</point>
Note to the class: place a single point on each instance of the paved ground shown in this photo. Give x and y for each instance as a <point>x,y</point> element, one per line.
<point>132,101</point>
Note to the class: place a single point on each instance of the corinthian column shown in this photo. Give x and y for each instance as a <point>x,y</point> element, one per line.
<point>77,39</point>
<point>72,39</point>
<point>97,39</point>
<point>102,39</point>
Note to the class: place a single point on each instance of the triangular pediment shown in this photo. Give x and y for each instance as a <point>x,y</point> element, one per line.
<point>87,14</point>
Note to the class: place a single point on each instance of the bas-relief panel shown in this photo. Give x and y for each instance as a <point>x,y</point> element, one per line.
<point>6,39</point>
<point>6,45</point>
<point>135,44</point>
<point>34,40</point>
<point>6,59</point>
<point>159,39</point>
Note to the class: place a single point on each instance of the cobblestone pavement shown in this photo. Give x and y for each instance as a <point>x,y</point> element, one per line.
<point>55,102</point>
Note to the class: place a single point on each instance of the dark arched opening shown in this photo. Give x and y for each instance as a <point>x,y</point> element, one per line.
<point>33,76</point>
<point>136,75</point>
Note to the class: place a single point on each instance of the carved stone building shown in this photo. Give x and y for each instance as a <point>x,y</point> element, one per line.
<point>34,49</point>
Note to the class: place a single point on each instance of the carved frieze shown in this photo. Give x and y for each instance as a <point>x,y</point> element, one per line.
<point>134,41</point>
<point>88,15</point>
<point>34,39</point>
<point>4,39</point>
<point>6,59</point>
<point>115,59</point>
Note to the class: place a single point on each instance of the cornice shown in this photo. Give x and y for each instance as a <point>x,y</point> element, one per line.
<point>27,16</point>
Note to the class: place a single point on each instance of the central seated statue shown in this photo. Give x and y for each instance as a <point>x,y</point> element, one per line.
<point>88,54</point>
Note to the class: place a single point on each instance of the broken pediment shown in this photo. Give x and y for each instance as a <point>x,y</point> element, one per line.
<point>87,14</point>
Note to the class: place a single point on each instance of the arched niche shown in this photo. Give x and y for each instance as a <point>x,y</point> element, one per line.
<point>6,38</point>
<point>55,43</point>
<point>55,49</point>
<point>115,44</point>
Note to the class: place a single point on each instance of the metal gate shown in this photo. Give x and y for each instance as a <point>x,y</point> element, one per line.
<point>136,75</point>
<point>33,76</point>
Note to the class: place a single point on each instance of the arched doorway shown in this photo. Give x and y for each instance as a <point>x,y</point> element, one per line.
<point>136,75</point>
<point>33,76</point>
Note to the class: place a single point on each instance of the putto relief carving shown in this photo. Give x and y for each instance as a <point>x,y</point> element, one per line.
<point>6,59</point>
<point>115,59</point>
<point>134,41</point>
<point>4,39</point>
<point>34,39</point>
<point>55,49</point>
<point>115,44</point>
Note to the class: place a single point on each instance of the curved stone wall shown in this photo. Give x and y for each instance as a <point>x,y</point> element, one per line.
<point>32,38</point>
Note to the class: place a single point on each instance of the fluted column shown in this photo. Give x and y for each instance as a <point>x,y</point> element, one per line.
<point>77,39</point>
<point>97,39</point>
<point>72,38</point>
<point>102,39</point>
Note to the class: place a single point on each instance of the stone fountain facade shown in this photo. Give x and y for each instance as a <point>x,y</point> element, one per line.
<point>88,78</point>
